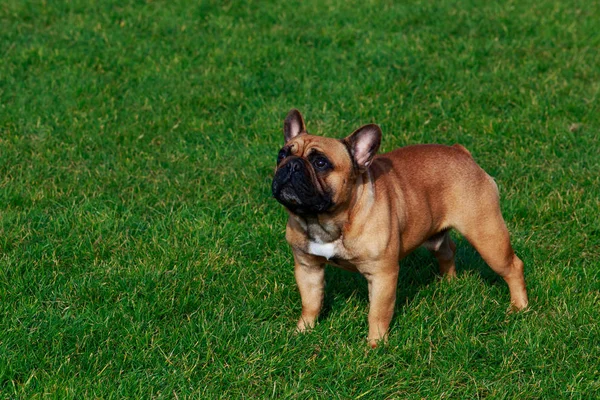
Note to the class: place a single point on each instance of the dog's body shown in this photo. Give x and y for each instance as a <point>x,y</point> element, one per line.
<point>364,213</point>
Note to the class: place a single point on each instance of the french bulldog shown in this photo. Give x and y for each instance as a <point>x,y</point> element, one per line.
<point>362,211</point>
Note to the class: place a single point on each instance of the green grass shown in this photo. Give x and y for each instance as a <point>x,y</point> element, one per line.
<point>141,254</point>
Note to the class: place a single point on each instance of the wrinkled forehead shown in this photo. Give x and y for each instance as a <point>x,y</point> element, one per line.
<point>304,145</point>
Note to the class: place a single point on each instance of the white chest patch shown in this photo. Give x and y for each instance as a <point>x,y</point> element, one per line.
<point>326,250</point>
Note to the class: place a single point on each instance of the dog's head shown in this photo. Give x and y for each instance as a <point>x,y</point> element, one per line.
<point>315,174</point>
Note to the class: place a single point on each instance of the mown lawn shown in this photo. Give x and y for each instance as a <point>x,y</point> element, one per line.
<point>141,253</point>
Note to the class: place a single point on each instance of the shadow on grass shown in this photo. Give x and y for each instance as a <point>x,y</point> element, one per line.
<point>417,271</point>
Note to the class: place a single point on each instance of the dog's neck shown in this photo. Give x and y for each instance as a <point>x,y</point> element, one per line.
<point>364,193</point>
<point>320,228</point>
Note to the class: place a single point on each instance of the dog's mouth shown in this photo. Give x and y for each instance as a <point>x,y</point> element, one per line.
<point>292,186</point>
<point>299,201</point>
<point>288,196</point>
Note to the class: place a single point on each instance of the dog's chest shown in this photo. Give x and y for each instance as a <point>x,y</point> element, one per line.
<point>323,240</point>
<point>328,250</point>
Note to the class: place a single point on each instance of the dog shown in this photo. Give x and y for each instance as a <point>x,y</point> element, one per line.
<point>362,211</point>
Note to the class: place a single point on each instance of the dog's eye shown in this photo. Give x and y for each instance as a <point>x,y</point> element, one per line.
<point>321,163</point>
<point>281,156</point>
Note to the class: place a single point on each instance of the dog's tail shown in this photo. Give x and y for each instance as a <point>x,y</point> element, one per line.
<point>462,148</point>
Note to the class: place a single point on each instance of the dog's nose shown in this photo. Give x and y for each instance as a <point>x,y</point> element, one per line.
<point>294,165</point>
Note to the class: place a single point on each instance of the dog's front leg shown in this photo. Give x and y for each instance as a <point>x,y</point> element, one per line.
<point>311,283</point>
<point>382,298</point>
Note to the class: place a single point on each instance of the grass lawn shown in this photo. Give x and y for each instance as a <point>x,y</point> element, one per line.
<point>141,252</point>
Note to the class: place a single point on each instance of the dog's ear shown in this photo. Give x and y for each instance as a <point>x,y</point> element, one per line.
<point>363,145</point>
<point>293,125</point>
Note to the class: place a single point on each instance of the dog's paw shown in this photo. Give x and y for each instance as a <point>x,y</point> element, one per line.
<point>377,342</point>
<point>304,325</point>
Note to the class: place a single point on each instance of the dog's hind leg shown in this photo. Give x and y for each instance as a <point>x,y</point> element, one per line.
<point>486,231</point>
<point>443,248</point>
